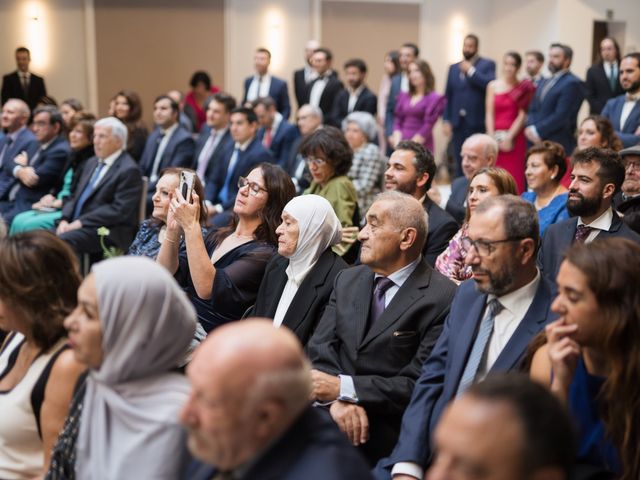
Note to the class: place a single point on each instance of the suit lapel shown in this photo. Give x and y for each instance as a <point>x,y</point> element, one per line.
<point>632,119</point>
<point>361,303</point>
<point>106,177</point>
<point>274,291</point>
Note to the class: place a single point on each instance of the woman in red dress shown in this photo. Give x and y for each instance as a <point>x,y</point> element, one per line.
<point>506,112</point>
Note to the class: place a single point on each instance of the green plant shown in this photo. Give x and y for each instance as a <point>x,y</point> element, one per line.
<point>107,252</point>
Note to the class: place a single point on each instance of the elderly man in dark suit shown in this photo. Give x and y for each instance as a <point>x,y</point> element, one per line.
<point>248,415</point>
<point>263,84</point>
<point>108,194</point>
<point>380,325</point>
<point>493,318</point>
<point>169,145</point>
<point>465,91</point>
<point>275,132</point>
<point>356,97</point>
<point>603,80</point>
<point>38,169</point>
<point>596,177</point>
<point>554,109</point>
<point>624,111</point>
<point>411,169</point>
<point>15,115</point>
<point>23,84</point>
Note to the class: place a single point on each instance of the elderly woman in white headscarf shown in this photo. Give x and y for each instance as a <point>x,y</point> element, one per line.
<point>368,164</point>
<point>298,281</point>
<point>132,327</point>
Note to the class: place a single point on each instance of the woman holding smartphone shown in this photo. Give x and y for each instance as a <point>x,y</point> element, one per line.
<point>222,271</point>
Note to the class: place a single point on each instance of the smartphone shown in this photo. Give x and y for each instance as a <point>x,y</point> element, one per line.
<point>186,184</point>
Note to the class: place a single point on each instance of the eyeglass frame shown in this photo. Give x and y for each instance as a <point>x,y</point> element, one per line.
<point>318,162</point>
<point>244,182</point>
<point>486,244</point>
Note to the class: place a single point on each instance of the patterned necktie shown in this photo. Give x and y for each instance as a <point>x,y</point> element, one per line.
<point>582,232</point>
<point>382,284</point>
<point>494,307</point>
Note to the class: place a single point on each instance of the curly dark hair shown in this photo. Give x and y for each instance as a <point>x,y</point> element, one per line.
<point>329,144</point>
<point>39,279</point>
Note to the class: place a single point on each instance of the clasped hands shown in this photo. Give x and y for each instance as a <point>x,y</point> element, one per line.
<point>351,418</point>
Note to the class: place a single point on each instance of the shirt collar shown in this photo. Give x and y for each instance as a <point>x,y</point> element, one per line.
<point>243,146</point>
<point>603,222</point>
<point>112,158</point>
<point>169,131</point>
<point>357,91</point>
<point>520,299</point>
<point>400,276</point>
<point>44,146</point>
<point>265,77</point>
<point>15,134</point>
<point>277,120</point>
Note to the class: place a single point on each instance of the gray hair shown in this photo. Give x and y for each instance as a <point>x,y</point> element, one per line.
<point>519,217</point>
<point>490,144</point>
<point>313,110</point>
<point>407,213</point>
<point>365,122</point>
<point>23,108</point>
<point>118,129</point>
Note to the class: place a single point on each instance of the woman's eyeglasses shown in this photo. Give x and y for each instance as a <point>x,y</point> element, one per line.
<point>254,188</point>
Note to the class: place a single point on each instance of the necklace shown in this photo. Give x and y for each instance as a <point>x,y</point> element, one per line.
<point>236,234</point>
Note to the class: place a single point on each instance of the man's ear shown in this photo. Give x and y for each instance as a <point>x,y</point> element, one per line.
<point>408,238</point>
<point>422,180</point>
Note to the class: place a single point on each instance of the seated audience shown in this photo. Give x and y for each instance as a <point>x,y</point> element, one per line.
<point>507,292</point>
<point>132,328</point>
<point>47,210</point>
<point>38,282</point>
<point>486,182</point>
<point>478,151</point>
<point>14,119</point>
<point>356,97</point>
<point>623,111</point>
<point>275,132</point>
<point>546,165</point>
<point>417,111</point>
<point>360,130</point>
<point>68,109</point>
<point>169,145</point>
<point>108,194</point>
<point>127,108</point>
<point>411,169</point>
<point>592,352</point>
<point>329,158</point>
<point>201,89</point>
<point>309,119</point>
<point>38,170</point>
<point>222,271</point>
<point>153,230</point>
<point>298,281</point>
<point>597,131</point>
<point>248,416</point>
<point>596,177</point>
<point>379,326</point>
<point>184,120</point>
<point>531,434</point>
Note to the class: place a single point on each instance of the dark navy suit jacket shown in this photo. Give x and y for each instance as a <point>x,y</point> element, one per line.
<point>278,90</point>
<point>466,94</point>
<point>22,142</point>
<point>311,449</point>
<point>442,227</point>
<point>555,114</point>
<point>441,373</point>
<point>612,110</point>
<point>253,155</point>
<point>281,142</point>
<point>394,90</point>
<point>455,204</point>
<point>217,155</point>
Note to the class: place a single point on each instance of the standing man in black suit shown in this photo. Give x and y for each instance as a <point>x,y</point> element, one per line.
<point>596,177</point>
<point>380,325</point>
<point>169,145</point>
<point>38,169</point>
<point>411,170</point>
<point>323,91</point>
<point>304,76</point>
<point>248,416</point>
<point>22,83</point>
<point>15,116</point>
<point>108,194</point>
<point>493,318</point>
<point>263,84</point>
<point>356,97</point>
<point>215,138</point>
<point>275,132</point>
<point>603,78</point>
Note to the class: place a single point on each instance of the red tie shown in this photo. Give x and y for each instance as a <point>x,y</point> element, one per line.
<point>267,138</point>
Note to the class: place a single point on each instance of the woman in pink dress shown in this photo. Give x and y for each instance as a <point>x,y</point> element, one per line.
<point>506,112</point>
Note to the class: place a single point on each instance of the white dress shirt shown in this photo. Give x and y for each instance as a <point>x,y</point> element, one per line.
<point>603,222</point>
<point>259,87</point>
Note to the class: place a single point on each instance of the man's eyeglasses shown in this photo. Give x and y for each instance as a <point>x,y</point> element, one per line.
<point>254,188</point>
<point>318,162</point>
<point>484,247</point>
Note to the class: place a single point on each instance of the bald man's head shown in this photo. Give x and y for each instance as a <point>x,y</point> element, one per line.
<point>250,382</point>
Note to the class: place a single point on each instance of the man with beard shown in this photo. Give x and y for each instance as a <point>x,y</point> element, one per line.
<point>596,177</point>
<point>411,169</point>
<point>533,63</point>
<point>624,111</point>
<point>493,318</point>
<point>466,89</point>
<point>554,109</point>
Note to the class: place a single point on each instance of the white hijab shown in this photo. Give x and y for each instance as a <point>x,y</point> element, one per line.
<point>319,229</point>
<point>129,426</point>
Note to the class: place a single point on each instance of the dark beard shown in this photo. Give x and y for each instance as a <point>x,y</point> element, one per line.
<point>584,207</point>
<point>468,55</point>
<point>635,86</point>
<point>501,282</point>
